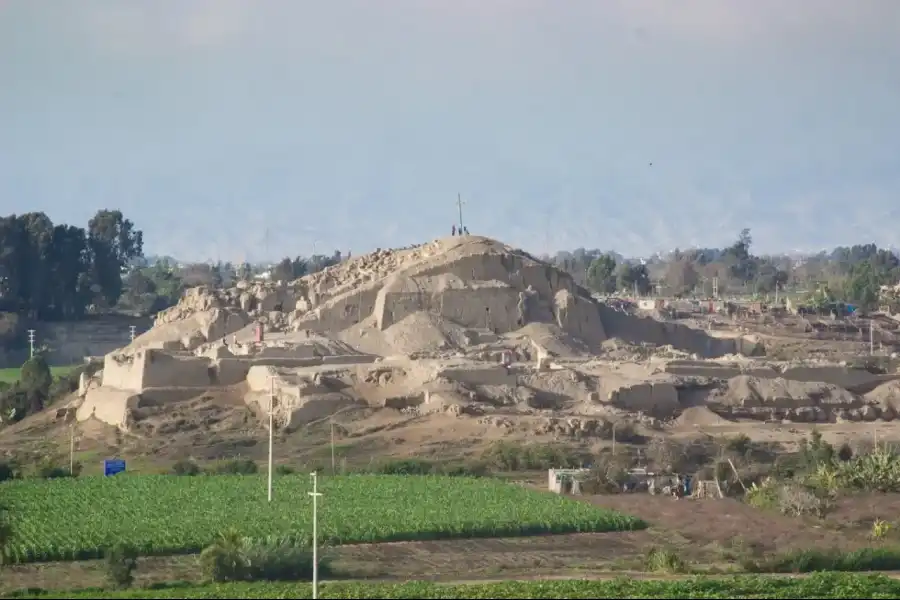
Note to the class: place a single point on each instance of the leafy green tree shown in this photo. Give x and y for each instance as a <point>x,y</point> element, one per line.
<point>35,380</point>
<point>633,276</point>
<point>601,274</point>
<point>113,242</point>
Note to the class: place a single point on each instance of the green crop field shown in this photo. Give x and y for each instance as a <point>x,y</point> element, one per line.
<point>69,519</point>
<point>821,585</point>
<point>12,375</point>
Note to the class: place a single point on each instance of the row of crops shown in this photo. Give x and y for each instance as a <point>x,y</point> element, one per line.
<point>815,586</point>
<point>75,519</point>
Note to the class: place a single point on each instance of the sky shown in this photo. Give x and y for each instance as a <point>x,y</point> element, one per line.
<point>629,125</point>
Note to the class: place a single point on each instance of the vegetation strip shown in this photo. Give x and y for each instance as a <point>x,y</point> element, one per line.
<point>74,519</point>
<point>820,585</point>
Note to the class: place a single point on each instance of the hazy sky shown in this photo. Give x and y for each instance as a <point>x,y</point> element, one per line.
<point>354,123</point>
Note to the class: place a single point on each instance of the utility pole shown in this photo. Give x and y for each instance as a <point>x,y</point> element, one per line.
<point>315,542</point>
<point>271,429</point>
<point>72,449</point>
<point>31,342</point>
<point>871,336</point>
<point>332,448</point>
<point>132,329</point>
<point>459,205</point>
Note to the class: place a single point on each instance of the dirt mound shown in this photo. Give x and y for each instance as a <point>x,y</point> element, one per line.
<point>747,391</point>
<point>699,416</point>
<point>886,397</point>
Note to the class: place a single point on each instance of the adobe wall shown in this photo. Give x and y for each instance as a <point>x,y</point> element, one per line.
<point>478,375</point>
<point>858,381</point>
<point>658,399</point>
<point>110,406</point>
<point>162,369</point>
<point>544,279</point>
<point>635,330</point>
<point>699,369</point>
<point>343,311</point>
<point>492,308</point>
<point>579,316</point>
<point>123,371</point>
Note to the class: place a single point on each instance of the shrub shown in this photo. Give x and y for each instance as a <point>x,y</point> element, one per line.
<point>664,560</point>
<point>7,471</point>
<point>506,456</point>
<point>48,470</point>
<point>6,534</point>
<point>237,466</point>
<point>811,560</point>
<point>187,467</point>
<point>764,495</point>
<point>607,475</point>
<point>797,501</point>
<point>283,562</point>
<point>121,560</point>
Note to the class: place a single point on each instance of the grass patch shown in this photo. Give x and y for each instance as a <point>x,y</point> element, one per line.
<point>820,585</point>
<point>810,560</point>
<point>11,375</point>
<point>74,519</point>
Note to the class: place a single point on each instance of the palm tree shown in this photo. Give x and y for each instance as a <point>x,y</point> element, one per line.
<point>224,559</point>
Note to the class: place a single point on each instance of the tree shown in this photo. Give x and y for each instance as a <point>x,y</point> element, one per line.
<point>35,380</point>
<point>741,264</point>
<point>284,270</point>
<point>601,274</point>
<point>681,276</point>
<point>113,242</point>
<point>631,277</point>
<point>70,282</point>
<point>245,272</point>
<point>769,278</point>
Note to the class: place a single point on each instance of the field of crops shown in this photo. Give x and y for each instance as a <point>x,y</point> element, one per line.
<point>11,375</point>
<point>822,585</point>
<point>68,519</point>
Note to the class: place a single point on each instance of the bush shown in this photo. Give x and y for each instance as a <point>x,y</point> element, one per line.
<point>506,456</point>
<point>282,562</point>
<point>811,560</point>
<point>7,471</point>
<point>49,470</point>
<point>607,475</point>
<point>664,560</point>
<point>231,558</point>
<point>237,466</point>
<point>789,498</point>
<point>798,501</point>
<point>6,534</point>
<point>419,466</point>
<point>187,467</point>
<point>121,560</point>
